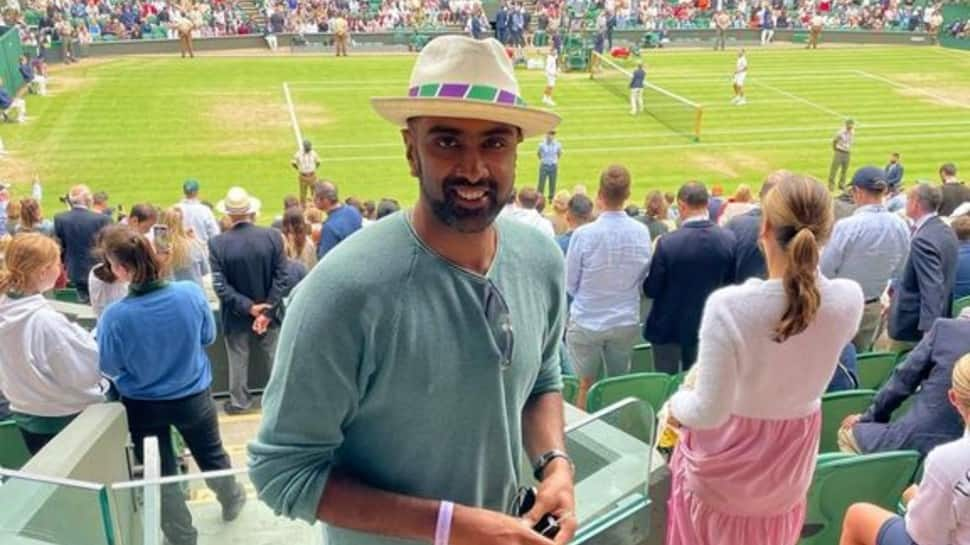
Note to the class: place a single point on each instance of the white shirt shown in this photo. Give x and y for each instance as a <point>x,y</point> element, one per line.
<point>551,66</point>
<point>199,218</point>
<point>531,217</point>
<point>742,371</point>
<point>742,65</point>
<point>306,163</point>
<point>940,512</point>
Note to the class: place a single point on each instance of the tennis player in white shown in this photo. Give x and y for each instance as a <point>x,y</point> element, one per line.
<point>552,69</point>
<point>740,72</point>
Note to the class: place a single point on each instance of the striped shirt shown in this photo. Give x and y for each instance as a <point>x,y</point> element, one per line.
<point>306,162</point>
<point>870,247</point>
<point>843,140</point>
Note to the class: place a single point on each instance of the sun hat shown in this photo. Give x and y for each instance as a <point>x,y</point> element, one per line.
<point>461,77</point>
<point>238,203</point>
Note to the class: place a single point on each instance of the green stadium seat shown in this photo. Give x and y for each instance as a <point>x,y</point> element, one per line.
<point>960,304</point>
<point>570,387</point>
<point>540,39</point>
<point>641,361</point>
<point>875,368</point>
<point>835,407</point>
<point>13,451</point>
<point>842,480</point>
<point>654,388</point>
<point>68,295</point>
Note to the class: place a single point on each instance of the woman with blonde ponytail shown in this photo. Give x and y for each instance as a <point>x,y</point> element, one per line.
<point>768,348</point>
<point>48,365</point>
<point>938,510</point>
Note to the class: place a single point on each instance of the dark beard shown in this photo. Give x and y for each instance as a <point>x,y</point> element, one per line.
<point>464,220</point>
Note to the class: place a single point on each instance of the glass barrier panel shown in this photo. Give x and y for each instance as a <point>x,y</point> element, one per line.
<point>41,510</point>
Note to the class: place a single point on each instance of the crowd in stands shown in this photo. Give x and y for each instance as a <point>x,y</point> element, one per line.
<point>959,29</point>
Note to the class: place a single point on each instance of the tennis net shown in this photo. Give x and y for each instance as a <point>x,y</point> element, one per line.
<point>675,112</point>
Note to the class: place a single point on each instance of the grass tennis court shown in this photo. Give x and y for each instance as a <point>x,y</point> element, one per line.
<point>137,126</point>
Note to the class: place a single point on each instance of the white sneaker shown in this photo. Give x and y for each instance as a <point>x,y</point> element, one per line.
<point>551,103</point>
<point>742,102</point>
<point>735,100</point>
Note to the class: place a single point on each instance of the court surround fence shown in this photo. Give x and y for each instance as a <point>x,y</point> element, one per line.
<point>951,13</point>
<point>10,51</point>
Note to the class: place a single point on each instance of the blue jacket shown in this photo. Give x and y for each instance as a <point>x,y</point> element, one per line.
<point>924,290</point>
<point>894,174</point>
<point>962,286</point>
<point>76,231</point>
<point>926,375</point>
<point>687,266</point>
<point>151,344</point>
<point>749,260</point>
<point>501,19</point>
<point>26,72</point>
<point>5,99</point>
<point>341,223</point>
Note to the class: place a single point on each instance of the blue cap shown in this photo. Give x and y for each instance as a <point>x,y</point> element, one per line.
<point>190,186</point>
<point>871,178</point>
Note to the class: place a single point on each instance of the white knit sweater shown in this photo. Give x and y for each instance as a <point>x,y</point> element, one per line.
<point>742,371</point>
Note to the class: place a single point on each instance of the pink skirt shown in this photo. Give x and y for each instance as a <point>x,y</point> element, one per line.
<point>744,483</point>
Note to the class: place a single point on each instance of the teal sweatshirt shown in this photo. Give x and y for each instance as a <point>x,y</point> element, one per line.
<point>387,367</point>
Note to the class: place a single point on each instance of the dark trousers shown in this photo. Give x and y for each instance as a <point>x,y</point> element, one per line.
<point>548,172</point>
<point>195,418</point>
<point>36,441</point>
<point>83,295</point>
<point>674,358</point>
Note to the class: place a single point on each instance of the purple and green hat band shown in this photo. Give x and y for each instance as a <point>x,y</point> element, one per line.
<point>466,91</point>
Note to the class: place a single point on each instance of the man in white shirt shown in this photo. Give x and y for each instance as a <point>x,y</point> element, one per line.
<point>525,212</point>
<point>606,264</point>
<point>306,161</point>
<point>197,217</point>
<point>552,69</point>
<point>740,73</point>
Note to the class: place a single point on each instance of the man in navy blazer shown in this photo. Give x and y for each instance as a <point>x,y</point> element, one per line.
<point>925,377</point>
<point>249,276</point>
<point>76,230</point>
<point>688,264</point>
<point>749,259</point>
<point>894,171</point>
<point>924,290</point>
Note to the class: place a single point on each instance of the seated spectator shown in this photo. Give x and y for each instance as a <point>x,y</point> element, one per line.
<point>557,216</point>
<point>152,346</point>
<point>9,102</point>
<point>768,349</point>
<point>961,226</point>
<point>32,219</point>
<point>385,208</point>
<point>296,239</point>
<point>846,375</point>
<point>579,213</point>
<point>936,509</point>
<point>925,376</point>
<point>741,203</point>
<point>49,368</point>
<point>655,214</point>
<point>35,82</point>
<point>185,258</point>
<point>525,212</point>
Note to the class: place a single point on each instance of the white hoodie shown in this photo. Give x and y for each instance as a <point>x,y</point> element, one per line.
<point>48,365</point>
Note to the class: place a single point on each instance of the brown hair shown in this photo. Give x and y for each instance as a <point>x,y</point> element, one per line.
<point>30,214</point>
<point>798,211</point>
<point>295,232</point>
<point>133,251</point>
<point>615,185</point>
<point>961,226</point>
<point>743,193</point>
<point>656,205</point>
<point>26,256</point>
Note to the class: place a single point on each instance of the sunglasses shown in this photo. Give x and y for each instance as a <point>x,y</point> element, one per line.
<point>499,320</point>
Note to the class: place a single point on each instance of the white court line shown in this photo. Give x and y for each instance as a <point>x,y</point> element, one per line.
<point>800,99</point>
<point>701,145</point>
<point>919,90</point>
<point>668,133</point>
<point>293,121</point>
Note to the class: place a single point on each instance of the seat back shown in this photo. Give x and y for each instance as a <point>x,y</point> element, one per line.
<point>641,360</point>
<point>13,451</point>
<point>654,388</point>
<point>835,407</point>
<point>960,304</point>
<point>843,480</point>
<point>875,368</point>
<point>570,387</point>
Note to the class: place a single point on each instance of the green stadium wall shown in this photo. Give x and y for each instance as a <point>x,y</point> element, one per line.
<point>10,51</point>
<point>954,12</point>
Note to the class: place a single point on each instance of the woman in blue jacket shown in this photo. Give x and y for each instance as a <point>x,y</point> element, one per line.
<point>152,346</point>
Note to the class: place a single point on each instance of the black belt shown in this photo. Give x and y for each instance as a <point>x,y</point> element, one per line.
<point>871,301</point>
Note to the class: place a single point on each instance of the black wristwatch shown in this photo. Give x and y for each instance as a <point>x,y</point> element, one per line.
<point>542,461</point>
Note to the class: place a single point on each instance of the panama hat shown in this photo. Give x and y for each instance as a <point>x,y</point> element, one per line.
<point>238,203</point>
<point>458,76</point>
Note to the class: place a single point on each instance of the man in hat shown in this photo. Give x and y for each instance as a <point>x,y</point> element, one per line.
<point>870,247</point>
<point>306,161</point>
<point>442,329</point>
<point>841,149</point>
<point>196,216</point>
<point>249,276</point>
